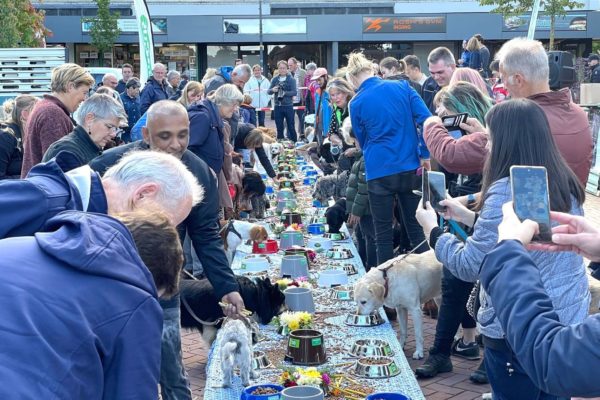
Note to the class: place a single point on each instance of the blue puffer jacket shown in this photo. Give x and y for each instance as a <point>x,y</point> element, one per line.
<point>153,91</point>
<point>79,300</point>
<point>206,134</point>
<point>561,360</point>
<point>563,274</point>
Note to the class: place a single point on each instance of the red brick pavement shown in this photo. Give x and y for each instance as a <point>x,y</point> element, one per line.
<point>454,385</point>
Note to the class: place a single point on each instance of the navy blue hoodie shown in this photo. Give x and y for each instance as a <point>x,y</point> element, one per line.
<point>80,317</point>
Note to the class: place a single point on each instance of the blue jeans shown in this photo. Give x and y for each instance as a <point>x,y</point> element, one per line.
<point>515,385</point>
<point>287,113</point>
<point>174,383</point>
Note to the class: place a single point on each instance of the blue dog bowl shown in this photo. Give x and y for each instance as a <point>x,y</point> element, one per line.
<point>316,229</point>
<point>387,396</point>
<point>317,203</point>
<point>247,396</point>
<point>269,190</point>
<point>311,173</point>
<point>263,177</point>
<point>307,168</point>
<point>309,181</point>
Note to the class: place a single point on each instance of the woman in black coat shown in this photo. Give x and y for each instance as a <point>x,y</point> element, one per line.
<point>249,138</point>
<point>11,135</point>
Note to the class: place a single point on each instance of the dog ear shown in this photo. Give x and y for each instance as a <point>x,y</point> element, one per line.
<point>376,290</point>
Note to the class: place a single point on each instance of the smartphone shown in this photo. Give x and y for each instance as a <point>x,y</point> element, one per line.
<point>531,199</point>
<point>425,187</point>
<point>452,123</point>
<point>437,190</point>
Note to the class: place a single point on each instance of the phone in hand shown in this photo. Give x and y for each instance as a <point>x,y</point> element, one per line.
<point>531,198</point>
<point>433,187</point>
<point>452,123</point>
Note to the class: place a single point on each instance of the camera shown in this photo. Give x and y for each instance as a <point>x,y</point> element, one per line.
<point>281,91</point>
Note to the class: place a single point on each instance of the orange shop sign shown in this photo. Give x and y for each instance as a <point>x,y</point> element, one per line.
<point>406,24</point>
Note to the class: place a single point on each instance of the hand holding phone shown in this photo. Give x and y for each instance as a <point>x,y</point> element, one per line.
<point>433,187</point>
<point>531,198</point>
<point>453,122</point>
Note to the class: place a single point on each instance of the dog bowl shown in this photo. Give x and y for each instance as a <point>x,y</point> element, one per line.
<point>289,218</point>
<point>269,190</point>
<point>371,347</point>
<point>387,396</point>
<point>364,320</point>
<point>264,177</point>
<point>285,194</point>
<point>255,264</point>
<point>285,183</point>
<point>299,299</point>
<point>332,277</point>
<point>290,239</point>
<point>350,269</point>
<point>259,360</point>
<point>272,392</point>
<point>319,244</point>
<point>339,253</point>
<point>335,236</point>
<point>267,247</point>
<point>376,367</point>
<point>296,251</point>
<point>294,266</point>
<point>284,204</point>
<point>309,181</point>
<point>310,173</point>
<point>306,347</point>
<point>284,167</point>
<point>285,174</point>
<point>342,293</point>
<point>302,393</point>
<point>316,229</point>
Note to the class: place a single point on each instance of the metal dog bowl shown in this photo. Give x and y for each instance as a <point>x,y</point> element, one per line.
<point>376,367</point>
<point>342,293</point>
<point>350,269</point>
<point>335,236</point>
<point>371,347</point>
<point>260,360</point>
<point>339,253</point>
<point>364,320</point>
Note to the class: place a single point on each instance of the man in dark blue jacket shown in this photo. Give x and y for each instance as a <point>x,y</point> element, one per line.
<point>206,133</point>
<point>441,67</point>
<point>132,104</point>
<point>92,330</point>
<point>561,360</point>
<point>167,130</point>
<point>155,89</point>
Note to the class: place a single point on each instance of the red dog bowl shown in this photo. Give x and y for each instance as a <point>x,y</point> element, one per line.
<point>268,247</point>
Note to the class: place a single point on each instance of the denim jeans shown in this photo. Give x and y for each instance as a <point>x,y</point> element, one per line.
<point>453,312</point>
<point>368,233</point>
<point>382,192</point>
<point>261,118</point>
<point>174,383</point>
<point>287,113</point>
<point>515,385</point>
<point>192,262</point>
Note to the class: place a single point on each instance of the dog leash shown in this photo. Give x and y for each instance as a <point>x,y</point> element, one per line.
<point>192,313</point>
<point>391,263</point>
<point>229,227</point>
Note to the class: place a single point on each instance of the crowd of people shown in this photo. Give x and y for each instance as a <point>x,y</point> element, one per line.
<point>91,174</point>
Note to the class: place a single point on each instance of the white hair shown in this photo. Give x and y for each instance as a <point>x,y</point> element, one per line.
<point>109,75</point>
<point>158,66</point>
<point>525,57</point>
<point>102,106</point>
<point>176,183</point>
<point>172,74</point>
<point>227,95</point>
<point>242,70</point>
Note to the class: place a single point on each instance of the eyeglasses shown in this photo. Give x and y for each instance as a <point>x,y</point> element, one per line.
<point>111,127</point>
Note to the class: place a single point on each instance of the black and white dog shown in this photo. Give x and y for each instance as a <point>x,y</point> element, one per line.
<point>261,297</point>
<point>336,215</point>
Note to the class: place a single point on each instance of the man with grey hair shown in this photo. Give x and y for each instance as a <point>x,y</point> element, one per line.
<point>155,89</point>
<point>525,73</point>
<point>173,79</point>
<point>110,80</point>
<point>167,130</point>
<point>238,76</point>
<point>441,67</point>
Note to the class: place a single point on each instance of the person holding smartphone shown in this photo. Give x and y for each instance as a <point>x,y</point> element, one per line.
<point>519,134</point>
<point>545,348</point>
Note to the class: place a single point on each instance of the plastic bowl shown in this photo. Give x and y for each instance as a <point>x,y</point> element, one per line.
<point>268,247</point>
<point>319,244</point>
<point>315,229</point>
<point>332,277</point>
<point>255,264</point>
<point>275,396</point>
<point>290,239</point>
<point>387,396</point>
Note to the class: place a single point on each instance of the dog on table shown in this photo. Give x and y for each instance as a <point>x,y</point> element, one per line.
<point>235,233</point>
<point>199,303</point>
<point>336,215</point>
<point>403,283</point>
<point>237,350</point>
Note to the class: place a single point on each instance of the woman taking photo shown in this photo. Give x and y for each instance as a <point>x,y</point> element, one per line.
<point>384,116</point>
<point>11,135</point>
<point>519,134</point>
<point>98,121</point>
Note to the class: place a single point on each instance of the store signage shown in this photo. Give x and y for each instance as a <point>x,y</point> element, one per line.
<point>271,26</point>
<point>570,22</point>
<point>406,24</point>
<point>130,26</point>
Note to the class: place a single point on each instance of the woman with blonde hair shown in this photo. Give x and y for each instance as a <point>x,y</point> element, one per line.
<point>384,117</point>
<point>474,46</point>
<point>192,93</point>
<point>17,111</point>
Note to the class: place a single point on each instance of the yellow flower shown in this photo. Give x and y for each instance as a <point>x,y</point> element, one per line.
<point>294,325</point>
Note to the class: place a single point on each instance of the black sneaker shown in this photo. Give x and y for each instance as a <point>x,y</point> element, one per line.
<point>435,364</point>
<point>469,351</point>
<point>479,375</point>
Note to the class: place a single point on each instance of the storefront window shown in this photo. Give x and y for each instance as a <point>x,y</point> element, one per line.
<point>374,51</point>
<point>221,55</point>
<point>304,53</point>
<point>178,57</point>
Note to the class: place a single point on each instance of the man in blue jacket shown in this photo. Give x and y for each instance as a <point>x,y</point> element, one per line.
<point>560,360</point>
<point>72,325</point>
<point>155,89</point>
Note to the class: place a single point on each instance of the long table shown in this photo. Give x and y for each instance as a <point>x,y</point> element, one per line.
<point>338,336</point>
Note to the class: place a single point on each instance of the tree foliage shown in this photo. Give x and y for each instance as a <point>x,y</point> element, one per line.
<point>22,25</point>
<point>552,8</point>
<point>104,28</point>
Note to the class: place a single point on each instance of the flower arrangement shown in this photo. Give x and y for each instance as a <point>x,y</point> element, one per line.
<point>301,282</point>
<point>296,227</point>
<point>277,229</point>
<point>305,376</point>
<point>289,321</point>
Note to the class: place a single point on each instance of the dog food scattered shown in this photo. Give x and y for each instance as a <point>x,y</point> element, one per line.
<point>264,390</point>
<point>374,361</point>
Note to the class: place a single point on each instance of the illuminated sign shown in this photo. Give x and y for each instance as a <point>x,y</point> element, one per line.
<point>405,24</point>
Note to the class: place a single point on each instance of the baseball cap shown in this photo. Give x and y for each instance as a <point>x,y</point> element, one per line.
<point>133,82</point>
<point>594,57</point>
<point>319,72</point>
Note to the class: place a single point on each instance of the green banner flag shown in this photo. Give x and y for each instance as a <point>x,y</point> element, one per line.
<point>146,40</point>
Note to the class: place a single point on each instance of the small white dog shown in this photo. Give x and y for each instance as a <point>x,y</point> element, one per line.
<point>235,233</point>
<point>411,281</point>
<point>237,350</point>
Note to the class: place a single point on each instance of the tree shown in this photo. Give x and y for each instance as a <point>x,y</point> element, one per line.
<point>22,25</point>
<point>552,8</point>
<point>104,28</point>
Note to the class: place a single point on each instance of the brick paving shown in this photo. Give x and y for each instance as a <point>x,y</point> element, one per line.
<point>454,385</point>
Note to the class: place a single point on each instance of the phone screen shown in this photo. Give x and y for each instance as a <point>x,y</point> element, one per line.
<point>425,187</point>
<point>531,198</point>
<point>452,123</point>
<point>437,190</point>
